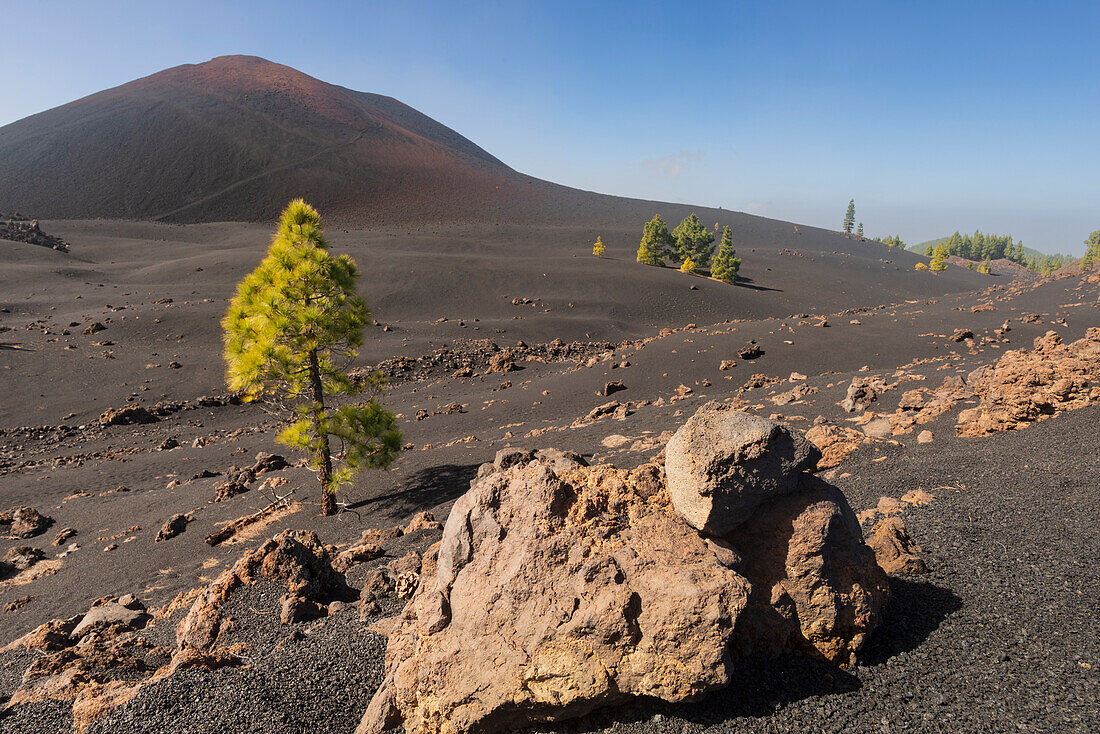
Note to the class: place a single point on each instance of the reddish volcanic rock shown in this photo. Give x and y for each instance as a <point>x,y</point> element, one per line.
<point>1026,386</point>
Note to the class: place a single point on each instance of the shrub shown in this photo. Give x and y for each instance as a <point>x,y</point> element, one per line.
<point>599,248</point>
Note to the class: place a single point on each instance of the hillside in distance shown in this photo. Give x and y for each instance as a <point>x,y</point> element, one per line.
<point>235,138</point>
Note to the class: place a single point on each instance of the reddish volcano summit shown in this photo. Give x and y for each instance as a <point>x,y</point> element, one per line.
<point>235,138</point>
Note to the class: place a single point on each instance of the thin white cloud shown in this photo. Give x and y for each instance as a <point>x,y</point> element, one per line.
<point>671,166</point>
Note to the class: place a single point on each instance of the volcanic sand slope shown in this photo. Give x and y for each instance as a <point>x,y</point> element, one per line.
<point>234,139</point>
<point>117,271</point>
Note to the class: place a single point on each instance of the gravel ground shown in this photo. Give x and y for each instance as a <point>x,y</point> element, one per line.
<point>313,677</point>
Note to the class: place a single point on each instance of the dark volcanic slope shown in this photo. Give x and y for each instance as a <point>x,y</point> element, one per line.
<point>234,139</point>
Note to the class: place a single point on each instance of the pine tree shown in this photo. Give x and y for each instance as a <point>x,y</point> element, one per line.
<point>599,248</point>
<point>939,258</point>
<point>850,217</point>
<point>693,240</point>
<point>859,230</point>
<point>688,266</point>
<point>726,265</point>
<point>1092,251</point>
<point>655,243</point>
<point>295,319</point>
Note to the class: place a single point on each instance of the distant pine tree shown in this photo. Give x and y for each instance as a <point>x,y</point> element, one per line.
<point>850,217</point>
<point>859,230</point>
<point>599,248</point>
<point>939,258</point>
<point>726,265</point>
<point>688,266</point>
<point>1092,251</point>
<point>656,241</point>
<point>693,240</point>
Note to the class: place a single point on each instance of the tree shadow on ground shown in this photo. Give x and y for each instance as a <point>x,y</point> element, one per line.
<point>915,610</point>
<point>747,283</point>
<point>759,686</point>
<point>431,486</point>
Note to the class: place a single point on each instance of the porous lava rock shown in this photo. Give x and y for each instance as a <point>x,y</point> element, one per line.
<point>112,616</point>
<point>553,595</point>
<point>268,462</point>
<point>722,464</point>
<point>816,588</point>
<point>24,522</point>
<point>172,527</point>
<point>894,550</point>
<point>297,558</point>
<point>861,393</point>
<point>126,415</point>
<point>834,442</point>
<point>19,558</point>
<point>1027,386</point>
<point>559,588</point>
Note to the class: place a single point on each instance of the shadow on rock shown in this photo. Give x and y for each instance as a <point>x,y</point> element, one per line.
<point>915,610</point>
<point>758,686</point>
<point>428,487</point>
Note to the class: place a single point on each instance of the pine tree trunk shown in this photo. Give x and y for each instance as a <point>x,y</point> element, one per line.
<point>324,459</point>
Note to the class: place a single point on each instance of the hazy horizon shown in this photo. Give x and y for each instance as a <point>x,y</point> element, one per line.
<point>934,118</point>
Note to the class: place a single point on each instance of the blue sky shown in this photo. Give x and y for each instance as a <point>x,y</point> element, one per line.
<point>934,116</point>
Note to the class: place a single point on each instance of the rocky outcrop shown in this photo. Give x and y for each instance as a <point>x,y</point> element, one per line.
<point>1027,386</point>
<point>894,550</point>
<point>559,588</point>
<point>111,617</point>
<point>722,464</point>
<point>16,229</point>
<point>24,522</point>
<point>921,405</point>
<point>19,558</point>
<point>834,442</point>
<point>297,558</point>
<point>861,393</point>
<point>127,415</point>
<point>268,462</point>
<point>172,527</point>
<point>816,588</point>
<point>87,660</point>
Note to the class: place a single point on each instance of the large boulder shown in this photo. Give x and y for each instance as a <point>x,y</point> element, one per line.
<point>553,595</point>
<point>817,589</point>
<point>722,464</point>
<point>559,588</point>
